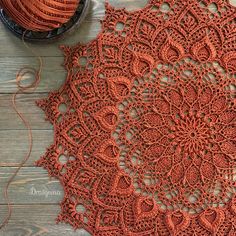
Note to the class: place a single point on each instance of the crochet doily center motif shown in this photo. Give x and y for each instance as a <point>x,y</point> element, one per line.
<point>173,139</point>
<point>192,133</point>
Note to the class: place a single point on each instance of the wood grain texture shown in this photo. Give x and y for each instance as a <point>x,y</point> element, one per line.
<point>36,220</point>
<point>34,206</point>
<point>14,146</point>
<point>26,104</point>
<point>51,66</point>
<point>31,186</point>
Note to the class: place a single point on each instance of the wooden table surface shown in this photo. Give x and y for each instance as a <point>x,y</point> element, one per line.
<point>34,212</point>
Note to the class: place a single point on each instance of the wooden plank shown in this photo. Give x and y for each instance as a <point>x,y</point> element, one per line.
<point>97,11</point>
<point>53,73</point>
<point>26,104</point>
<point>36,220</point>
<point>14,146</point>
<point>32,185</point>
<point>35,209</point>
<point>232,2</point>
<point>13,47</point>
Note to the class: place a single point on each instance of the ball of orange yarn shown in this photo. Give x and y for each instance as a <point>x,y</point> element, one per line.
<point>40,15</point>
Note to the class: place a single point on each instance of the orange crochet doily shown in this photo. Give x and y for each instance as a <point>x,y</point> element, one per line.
<point>149,129</point>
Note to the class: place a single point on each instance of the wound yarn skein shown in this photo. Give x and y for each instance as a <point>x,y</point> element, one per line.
<point>40,15</point>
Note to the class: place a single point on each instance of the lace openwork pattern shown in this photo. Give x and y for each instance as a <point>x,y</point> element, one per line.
<point>146,123</point>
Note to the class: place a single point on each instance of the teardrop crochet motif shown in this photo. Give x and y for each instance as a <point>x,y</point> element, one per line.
<point>150,126</point>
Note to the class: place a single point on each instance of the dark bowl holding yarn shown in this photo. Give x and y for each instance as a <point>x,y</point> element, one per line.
<point>41,21</point>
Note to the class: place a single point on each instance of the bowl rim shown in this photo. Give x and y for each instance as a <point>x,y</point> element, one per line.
<point>48,36</point>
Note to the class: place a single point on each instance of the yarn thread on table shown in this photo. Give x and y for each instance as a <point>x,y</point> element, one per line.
<point>36,73</point>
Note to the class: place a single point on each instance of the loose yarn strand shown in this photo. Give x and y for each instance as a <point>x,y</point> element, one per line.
<point>22,89</point>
